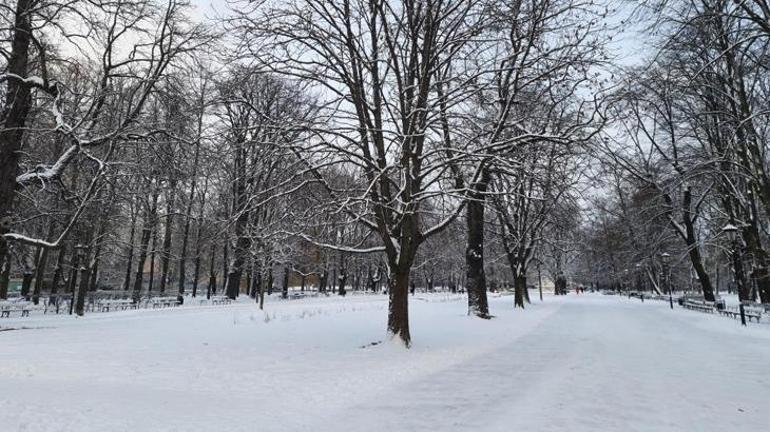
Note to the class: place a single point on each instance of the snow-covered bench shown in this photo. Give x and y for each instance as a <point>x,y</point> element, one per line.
<point>749,312</point>
<point>8,306</point>
<point>107,305</point>
<point>157,302</point>
<point>220,300</point>
<point>700,306</point>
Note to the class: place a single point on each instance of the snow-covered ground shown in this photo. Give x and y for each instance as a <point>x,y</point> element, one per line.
<point>580,363</point>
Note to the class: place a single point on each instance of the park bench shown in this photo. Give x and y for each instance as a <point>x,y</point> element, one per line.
<point>700,306</point>
<point>107,305</point>
<point>751,313</point>
<point>9,306</point>
<point>157,302</point>
<point>220,300</point>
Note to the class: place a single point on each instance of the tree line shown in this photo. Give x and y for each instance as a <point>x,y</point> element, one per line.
<point>368,145</point>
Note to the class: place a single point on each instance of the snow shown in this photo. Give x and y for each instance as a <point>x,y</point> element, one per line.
<point>576,363</point>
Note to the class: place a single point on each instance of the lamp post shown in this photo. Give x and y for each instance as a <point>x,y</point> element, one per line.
<point>732,234</point>
<point>665,257</point>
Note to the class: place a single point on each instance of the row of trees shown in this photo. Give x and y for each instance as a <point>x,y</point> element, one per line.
<point>687,159</point>
<point>345,144</point>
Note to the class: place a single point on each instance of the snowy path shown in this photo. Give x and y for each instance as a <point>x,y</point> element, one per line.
<point>585,363</point>
<point>594,366</point>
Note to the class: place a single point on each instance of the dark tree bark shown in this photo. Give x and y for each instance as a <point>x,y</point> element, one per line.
<point>519,289</point>
<point>196,270</point>
<point>255,281</point>
<point>744,290</point>
<point>26,282</point>
<point>144,244</point>
<point>15,110</point>
<point>474,251</point>
<point>57,273</point>
<point>343,280</point>
<point>694,247</point>
<point>323,280</point>
<point>153,254</point>
<point>166,253</point>
<point>211,289</point>
<point>73,277</point>
<point>398,313</point>
<point>5,276</point>
<point>186,232</point>
<point>225,259</point>
<point>130,259</point>
<point>85,272</point>
<point>40,266</point>
<point>285,287</point>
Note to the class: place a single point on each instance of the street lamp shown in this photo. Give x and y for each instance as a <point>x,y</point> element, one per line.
<point>732,234</point>
<point>665,257</point>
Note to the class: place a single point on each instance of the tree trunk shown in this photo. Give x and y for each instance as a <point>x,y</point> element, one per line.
<point>744,290</point>
<point>526,291</point>
<point>166,253</point>
<point>153,253</point>
<point>57,274</point>
<point>694,247</point>
<point>212,286</point>
<point>144,245</point>
<point>520,286</point>
<point>256,275</point>
<point>40,269</point>
<point>323,280</point>
<point>343,279</point>
<point>26,283</point>
<point>398,311</point>
<point>474,251</point>
<point>15,111</point>
<point>196,271</point>
<point>225,259</point>
<point>73,277</point>
<point>285,288</point>
<point>83,288</point>
<point>5,276</point>
<point>130,260</point>
<point>188,213</point>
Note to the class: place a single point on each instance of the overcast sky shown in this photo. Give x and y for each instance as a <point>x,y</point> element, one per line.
<point>628,45</point>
